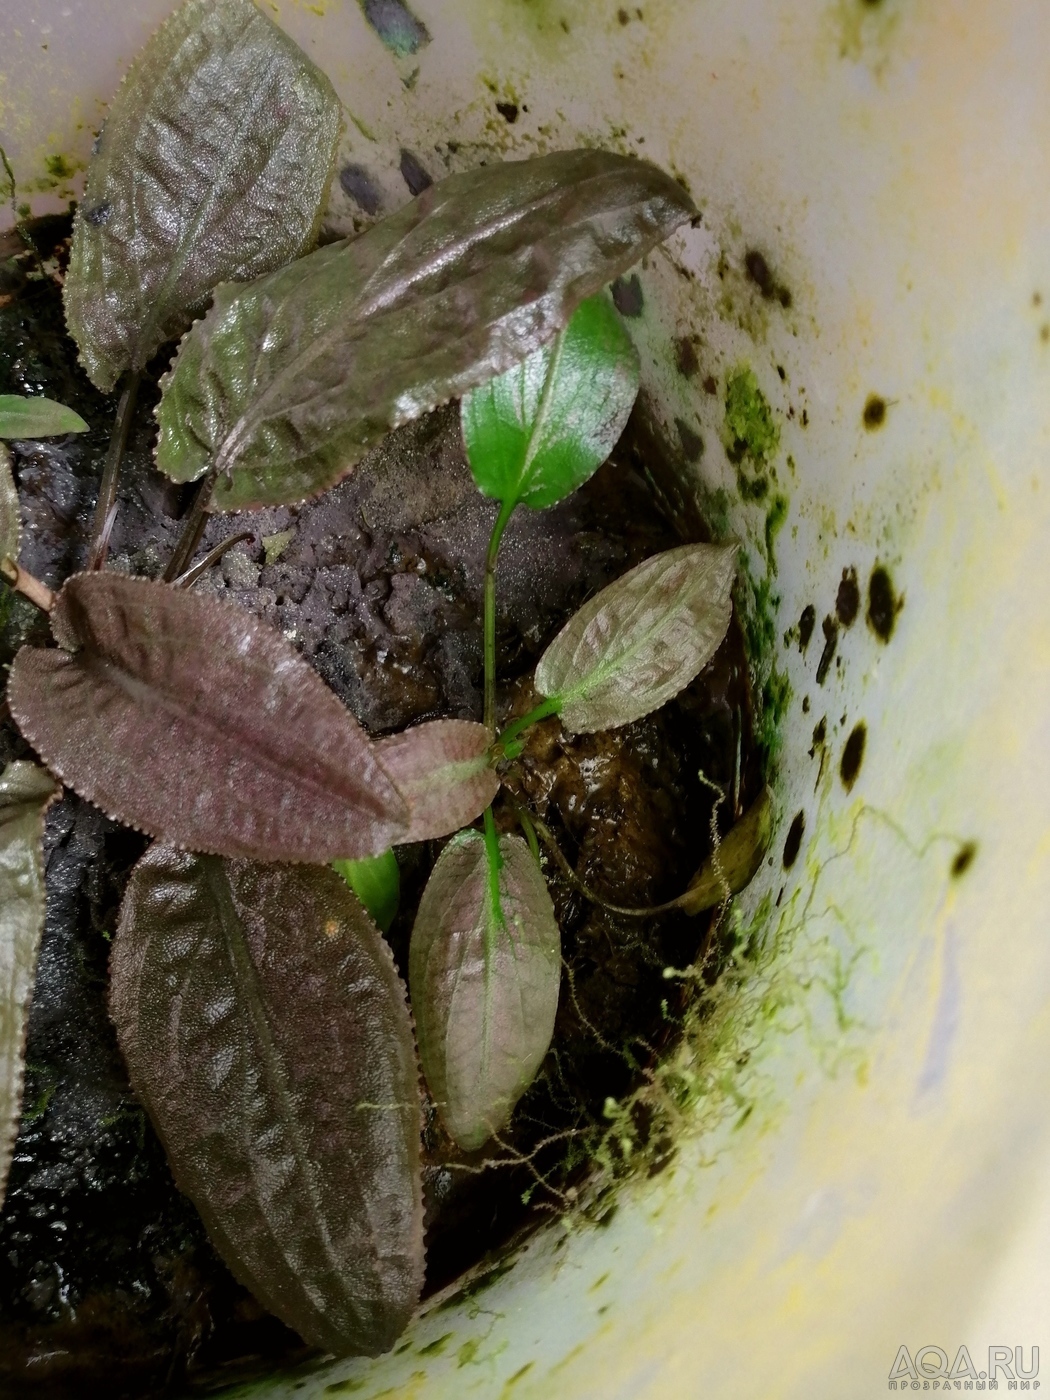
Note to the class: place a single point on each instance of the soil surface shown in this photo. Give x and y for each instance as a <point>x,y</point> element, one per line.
<point>108,1285</point>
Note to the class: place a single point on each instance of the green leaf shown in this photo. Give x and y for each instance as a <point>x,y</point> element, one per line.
<point>265,1029</point>
<point>25,791</point>
<point>443,772</point>
<point>10,510</point>
<point>484,973</point>
<point>737,860</point>
<point>541,430</point>
<point>285,384</point>
<point>198,723</point>
<point>376,881</point>
<point>22,417</point>
<point>213,164</point>
<point>640,641</point>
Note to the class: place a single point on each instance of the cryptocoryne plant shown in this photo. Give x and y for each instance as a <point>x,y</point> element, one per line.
<point>257,1004</point>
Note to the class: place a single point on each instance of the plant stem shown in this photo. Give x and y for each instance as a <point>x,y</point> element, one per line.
<point>192,529</point>
<point>213,556</point>
<point>107,491</point>
<point>505,512</point>
<point>543,710</point>
<point>22,582</point>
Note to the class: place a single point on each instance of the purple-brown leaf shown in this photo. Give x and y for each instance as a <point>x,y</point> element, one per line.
<point>25,791</point>
<point>195,722</point>
<point>484,971</point>
<point>266,1031</point>
<point>442,771</point>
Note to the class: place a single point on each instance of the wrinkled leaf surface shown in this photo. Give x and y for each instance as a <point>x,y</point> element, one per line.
<point>10,511</point>
<point>25,791</point>
<point>484,983</point>
<point>265,1029</point>
<point>23,417</point>
<point>539,431</point>
<point>376,880</point>
<point>442,770</point>
<point>195,722</point>
<point>286,383</point>
<point>640,641</point>
<point>213,165</point>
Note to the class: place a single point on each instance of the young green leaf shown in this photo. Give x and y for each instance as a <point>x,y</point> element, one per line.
<point>442,770</point>
<point>265,1029</point>
<point>539,431</point>
<point>213,164</point>
<point>484,973</point>
<point>286,383</point>
<point>376,881</point>
<point>196,722</point>
<point>10,510</point>
<point>640,641</point>
<point>25,791</point>
<point>22,417</point>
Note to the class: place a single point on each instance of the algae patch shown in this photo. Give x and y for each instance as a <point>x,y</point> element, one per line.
<point>751,431</point>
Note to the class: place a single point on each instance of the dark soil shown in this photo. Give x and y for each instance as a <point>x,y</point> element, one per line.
<point>108,1286</point>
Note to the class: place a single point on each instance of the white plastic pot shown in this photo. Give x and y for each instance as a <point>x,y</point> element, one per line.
<point>868,1165</point>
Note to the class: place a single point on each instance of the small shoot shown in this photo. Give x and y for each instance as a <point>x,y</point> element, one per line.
<point>376,880</point>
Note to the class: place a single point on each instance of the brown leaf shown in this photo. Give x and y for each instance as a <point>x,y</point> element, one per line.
<point>641,640</point>
<point>25,791</point>
<point>213,164</point>
<point>442,771</point>
<point>266,1031</point>
<point>286,383</point>
<point>193,721</point>
<point>484,974</point>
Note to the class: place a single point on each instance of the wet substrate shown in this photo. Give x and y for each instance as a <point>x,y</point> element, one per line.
<point>108,1286</point>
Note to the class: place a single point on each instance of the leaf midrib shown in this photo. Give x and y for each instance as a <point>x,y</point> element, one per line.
<point>246,980</point>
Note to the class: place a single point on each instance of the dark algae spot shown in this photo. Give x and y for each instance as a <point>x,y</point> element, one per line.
<point>820,735</point>
<point>759,271</point>
<point>964,858</point>
<point>627,295</point>
<point>794,839</point>
<point>806,623</point>
<point>685,361</point>
<point>692,442</point>
<point>358,184</point>
<point>396,26</point>
<point>831,636</point>
<point>847,600</point>
<point>413,173</point>
<point>874,412</point>
<point>508,111</point>
<point>883,605</point>
<point>853,755</point>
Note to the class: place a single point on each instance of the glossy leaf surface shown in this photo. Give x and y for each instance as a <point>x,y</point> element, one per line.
<point>376,880</point>
<point>10,510</point>
<point>24,417</point>
<point>213,165</point>
<point>539,431</point>
<point>735,864</point>
<point>195,722</point>
<point>641,640</point>
<point>25,791</point>
<point>265,1029</point>
<point>286,383</point>
<point>442,770</point>
<point>484,977</point>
